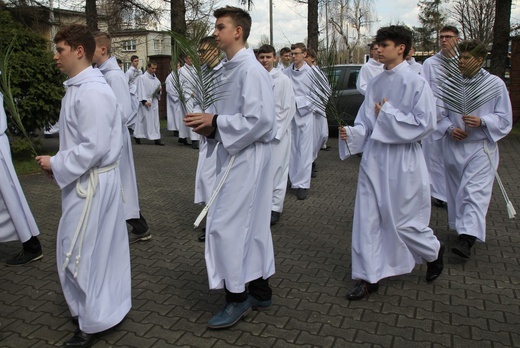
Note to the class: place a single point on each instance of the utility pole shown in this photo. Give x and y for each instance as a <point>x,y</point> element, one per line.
<point>271,23</point>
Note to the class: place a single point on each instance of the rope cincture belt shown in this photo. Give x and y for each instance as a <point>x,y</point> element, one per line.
<point>88,194</point>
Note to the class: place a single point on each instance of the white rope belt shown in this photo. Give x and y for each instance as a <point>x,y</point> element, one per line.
<point>88,194</point>
<point>214,195</point>
<point>511,212</point>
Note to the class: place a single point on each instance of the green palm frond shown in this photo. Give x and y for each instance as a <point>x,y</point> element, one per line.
<point>9,99</point>
<point>202,80</point>
<point>461,94</point>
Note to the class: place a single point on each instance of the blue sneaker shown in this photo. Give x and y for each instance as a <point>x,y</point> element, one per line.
<point>230,315</point>
<point>258,305</point>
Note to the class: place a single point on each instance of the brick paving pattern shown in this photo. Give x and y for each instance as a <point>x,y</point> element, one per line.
<point>473,304</point>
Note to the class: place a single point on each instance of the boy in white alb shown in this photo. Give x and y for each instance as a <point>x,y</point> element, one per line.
<point>390,233</point>
<point>239,246</point>
<point>92,251</point>
<point>285,107</point>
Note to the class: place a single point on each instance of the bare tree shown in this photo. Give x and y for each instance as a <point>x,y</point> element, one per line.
<point>476,18</point>
<point>501,30</point>
<point>349,18</point>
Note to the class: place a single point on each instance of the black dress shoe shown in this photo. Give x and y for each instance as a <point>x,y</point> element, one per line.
<point>435,268</point>
<point>301,194</point>
<point>158,142</point>
<point>275,217</point>
<point>81,339</point>
<point>137,141</point>
<point>362,290</point>
<point>183,141</point>
<point>195,144</point>
<point>463,246</point>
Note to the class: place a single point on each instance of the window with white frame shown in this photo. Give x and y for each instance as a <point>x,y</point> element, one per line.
<point>129,45</point>
<point>157,44</point>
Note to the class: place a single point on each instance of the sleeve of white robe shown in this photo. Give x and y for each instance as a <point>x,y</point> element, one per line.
<point>286,105</point>
<point>120,87</point>
<point>257,118</point>
<point>361,83</point>
<point>142,89</point>
<point>396,127</point>
<point>499,122</point>
<point>94,139</point>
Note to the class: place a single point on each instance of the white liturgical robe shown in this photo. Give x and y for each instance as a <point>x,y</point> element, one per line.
<point>16,219</point>
<point>132,74</point>
<point>117,81</point>
<point>285,107</point>
<point>97,289</point>
<point>368,71</point>
<point>239,247</point>
<point>174,110</point>
<point>147,125</point>
<point>302,132</point>
<point>469,174</point>
<point>187,76</point>
<point>390,231</point>
<point>432,149</point>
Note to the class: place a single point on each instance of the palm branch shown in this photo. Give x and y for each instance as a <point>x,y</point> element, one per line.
<point>324,84</point>
<point>203,81</point>
<point>9,99</point>
<point>460,94</point>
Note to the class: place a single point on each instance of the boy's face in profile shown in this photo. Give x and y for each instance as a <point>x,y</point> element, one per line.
<point>389,53</point>
<point>135,62</point>
<point>65,57</point>
<point>298,56</point>
<point>286,58</point>
<point>225,32</point>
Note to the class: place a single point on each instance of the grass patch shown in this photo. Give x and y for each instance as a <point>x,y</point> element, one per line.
<point>26,166</point>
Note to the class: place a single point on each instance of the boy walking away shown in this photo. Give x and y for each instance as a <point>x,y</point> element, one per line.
<point>92,250</point>
<point>470,148</point>
<point>390,232</point>
<point>239,247</point>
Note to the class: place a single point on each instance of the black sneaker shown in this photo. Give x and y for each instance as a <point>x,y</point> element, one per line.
<point>462,248</point>
<point>24,257</point>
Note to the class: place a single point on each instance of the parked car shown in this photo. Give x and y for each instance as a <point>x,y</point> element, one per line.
<point>347,98</point>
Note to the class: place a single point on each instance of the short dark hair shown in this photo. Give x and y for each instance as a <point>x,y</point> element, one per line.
<point>240,18</point>
<point>267,49</point>
<point>398,34</point>
<point>311,53</point>
<point>119,61</point>
<point>208,40</point>
<point>299,45</point>
<point>450,28</point>
<point>133,57</point>
<point>104,38</point>
<point>285,50</point>
<point>474,47</point>
<point>76,35</point>
<point>372,45</point>
<point>150,63</point>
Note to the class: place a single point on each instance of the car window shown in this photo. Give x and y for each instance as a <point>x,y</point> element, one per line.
<point>352,79</point>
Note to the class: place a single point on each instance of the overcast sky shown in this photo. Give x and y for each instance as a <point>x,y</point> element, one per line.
<point>290,18</point>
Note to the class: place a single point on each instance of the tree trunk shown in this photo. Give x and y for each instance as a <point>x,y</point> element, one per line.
<point>178,19</point>
<point>91,15</point>
<point>501,30</point>
<point>312,24</point>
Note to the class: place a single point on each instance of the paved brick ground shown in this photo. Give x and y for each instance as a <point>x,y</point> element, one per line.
<point>473,304</point>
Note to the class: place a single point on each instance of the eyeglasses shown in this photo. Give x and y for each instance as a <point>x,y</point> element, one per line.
<point>295,53</point>
<point>446,37</point>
